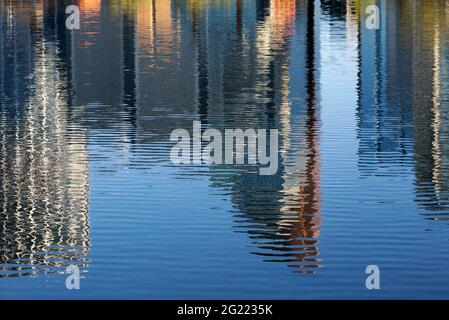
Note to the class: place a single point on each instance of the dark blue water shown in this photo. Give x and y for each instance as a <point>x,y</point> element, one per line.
<point>85,171</point>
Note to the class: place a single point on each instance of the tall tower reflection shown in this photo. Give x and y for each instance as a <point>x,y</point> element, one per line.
<point>305,228</point>
<point>166,89</point>
<point>429,105</point>
<point>384,114</point>
<point>251,83</point>
<point>44,180</point>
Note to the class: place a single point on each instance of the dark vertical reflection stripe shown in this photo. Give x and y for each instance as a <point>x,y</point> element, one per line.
<point>129,65</point>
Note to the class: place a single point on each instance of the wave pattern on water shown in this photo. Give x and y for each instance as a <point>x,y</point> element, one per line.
<point>85,123</point>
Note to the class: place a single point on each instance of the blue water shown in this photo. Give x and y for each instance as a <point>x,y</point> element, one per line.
<point>85,171</point>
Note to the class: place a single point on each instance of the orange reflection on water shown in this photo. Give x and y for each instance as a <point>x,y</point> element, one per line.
<point>283,15</point>
<point>90,7</point>
<point>155,28</point>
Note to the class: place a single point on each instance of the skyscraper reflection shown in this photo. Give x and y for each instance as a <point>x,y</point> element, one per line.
<point>44,181</point>
<point>257,87</point>
<point>429,104</point>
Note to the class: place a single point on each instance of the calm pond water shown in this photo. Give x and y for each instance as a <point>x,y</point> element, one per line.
<point>85,171</point>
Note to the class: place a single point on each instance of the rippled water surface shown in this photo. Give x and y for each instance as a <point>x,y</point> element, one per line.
<point>85,171</point>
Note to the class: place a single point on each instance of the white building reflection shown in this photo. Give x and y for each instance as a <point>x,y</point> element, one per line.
<point>44,181</point>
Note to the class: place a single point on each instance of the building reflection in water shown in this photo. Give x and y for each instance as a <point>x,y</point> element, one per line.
<point>384,114</point>
<point>138,69</point>
<point>402,99</point>
<point>44,180</point>
<point>219,71</point>
<point>257,86</point>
